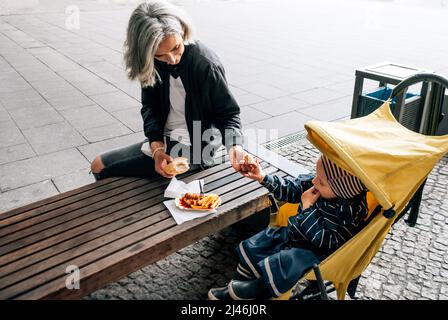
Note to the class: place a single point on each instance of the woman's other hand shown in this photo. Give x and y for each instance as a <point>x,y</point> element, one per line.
<point>309,197</point>
<point>161,159</point>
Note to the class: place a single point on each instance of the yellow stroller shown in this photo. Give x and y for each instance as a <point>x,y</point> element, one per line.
<point>393,163</point>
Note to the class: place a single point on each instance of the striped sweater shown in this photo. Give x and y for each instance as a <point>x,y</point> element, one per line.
<point>324,226</point>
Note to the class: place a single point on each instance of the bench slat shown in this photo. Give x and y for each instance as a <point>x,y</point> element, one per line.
<point>117,245</point>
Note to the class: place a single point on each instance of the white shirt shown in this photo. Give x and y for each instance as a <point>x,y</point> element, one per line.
<point>176,125</point>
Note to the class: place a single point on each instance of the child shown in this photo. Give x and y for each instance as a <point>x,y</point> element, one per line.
<point>332,210</point>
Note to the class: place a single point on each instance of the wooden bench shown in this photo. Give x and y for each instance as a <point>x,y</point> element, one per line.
<point>111,228</point>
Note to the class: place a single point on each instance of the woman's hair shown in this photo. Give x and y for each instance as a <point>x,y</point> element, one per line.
<point>150,23</point>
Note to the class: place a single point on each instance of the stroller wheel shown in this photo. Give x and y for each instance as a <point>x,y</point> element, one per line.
<point>309,290</point>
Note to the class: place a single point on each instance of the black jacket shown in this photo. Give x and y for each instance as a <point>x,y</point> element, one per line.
<point>208,99</point>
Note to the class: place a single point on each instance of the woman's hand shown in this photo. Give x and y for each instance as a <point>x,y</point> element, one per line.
<point>161,159</point>
<point>309,197</point>
<point>253,171</point>
<point>236,155</point>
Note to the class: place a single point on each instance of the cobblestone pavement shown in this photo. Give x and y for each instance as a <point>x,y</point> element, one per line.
<point>411,264</point>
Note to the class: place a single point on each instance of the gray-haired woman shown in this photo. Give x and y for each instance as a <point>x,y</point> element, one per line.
<point>185,98</point>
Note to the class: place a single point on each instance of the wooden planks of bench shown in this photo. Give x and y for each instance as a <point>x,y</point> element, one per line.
<point>109,229</point>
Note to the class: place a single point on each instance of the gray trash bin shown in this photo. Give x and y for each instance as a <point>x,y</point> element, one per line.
<point>410,115</point>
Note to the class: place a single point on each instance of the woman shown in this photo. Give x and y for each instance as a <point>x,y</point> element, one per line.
<point>186,101</point>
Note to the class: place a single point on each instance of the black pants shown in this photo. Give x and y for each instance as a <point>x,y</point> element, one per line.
<point>130,161</point>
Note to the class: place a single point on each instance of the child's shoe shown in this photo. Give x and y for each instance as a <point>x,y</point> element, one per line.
<point>248,290</point>
<point>219,294</point>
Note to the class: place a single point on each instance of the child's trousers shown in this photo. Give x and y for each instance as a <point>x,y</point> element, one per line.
<point>270,255</point>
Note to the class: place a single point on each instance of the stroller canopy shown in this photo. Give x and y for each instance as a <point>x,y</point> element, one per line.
<point>391,161</point>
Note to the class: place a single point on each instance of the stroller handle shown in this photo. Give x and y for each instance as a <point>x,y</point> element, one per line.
<point>419,77</point>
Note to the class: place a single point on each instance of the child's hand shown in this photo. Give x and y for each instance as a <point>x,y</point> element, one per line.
<point>252,170</point>
<point>309,197</point>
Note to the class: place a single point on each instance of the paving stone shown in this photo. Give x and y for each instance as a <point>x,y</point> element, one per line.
<point>23,99</point>
<point>436,257</point>
<point>248,99</point>
<point>73,180</point>
<point>25,195</point>
<point>318,96</point>
<point>263,90</point>
<point>345,87</point>
<point>250,115</point>
<point>54,88</point>
<point>15,153</point>
<point>93,149</point>
<point>69,100</point>
<point>137,291</point>
<point>429,293</point>
<point>38,74</point>
<point>29,171</point>
<point>12,85</point>
<point>87,82</point>
<point>53,137</point>
<point>291,84</point>
<point>53,59</point>
<point>118,291</point>
<point>131,118</point>
<point>328,111</point>
<point>390,295</point>
<point>94,86</point>
<point>88,117</point>
<point>236,92</point>
<point>105,132</point>
<point>414,287</point>
<point>193,267</point>
<point>27,118</point>
<point>4,115</point>
<point>207,253</point>
<point>279,106</point>
<point>10,135</point>
<point>102,295</point>
<point>117,100</point>
<point>131,88</point>
<point>284,124</point>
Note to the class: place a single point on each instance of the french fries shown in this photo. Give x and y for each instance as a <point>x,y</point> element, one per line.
<point>200,201</point>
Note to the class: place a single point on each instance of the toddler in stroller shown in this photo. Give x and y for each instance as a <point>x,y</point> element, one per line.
<point>332,208</point>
